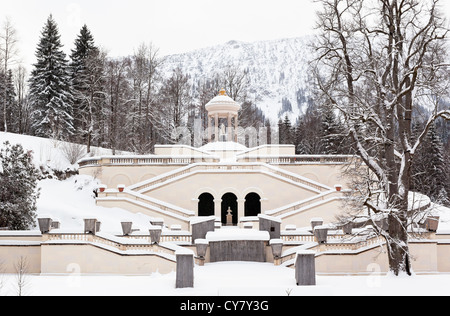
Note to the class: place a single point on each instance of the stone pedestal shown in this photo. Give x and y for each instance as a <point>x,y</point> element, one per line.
<point>321,233</point>
<point>305,268</point>
<point>185,270</point>
<point>270,224</point>
<point>201,226</point>
<point>90,225</point>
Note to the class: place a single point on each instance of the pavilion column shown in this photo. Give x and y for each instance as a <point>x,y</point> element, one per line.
<point>216,127</point>
<point>230,128</point>
<point>235,128</point>
<point>209,128</point>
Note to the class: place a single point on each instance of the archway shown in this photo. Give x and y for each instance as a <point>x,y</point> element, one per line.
<point>252,204</point>
<point>229,200</point>
<point>205,204</point>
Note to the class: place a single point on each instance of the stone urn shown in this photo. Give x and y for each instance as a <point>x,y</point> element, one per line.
<point>155,234</point>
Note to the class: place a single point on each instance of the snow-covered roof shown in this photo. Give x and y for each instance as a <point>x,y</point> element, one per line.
<point>222,103</point>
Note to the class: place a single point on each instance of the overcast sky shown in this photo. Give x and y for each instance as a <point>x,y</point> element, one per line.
<point>174,26</point>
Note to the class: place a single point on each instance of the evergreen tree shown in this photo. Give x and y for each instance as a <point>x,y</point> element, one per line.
<point>429,171</point>
<point>82,80</point>
<point>331,133</point>
<point>18,180</point>
<point>285,131</point>
<point>51,99</point>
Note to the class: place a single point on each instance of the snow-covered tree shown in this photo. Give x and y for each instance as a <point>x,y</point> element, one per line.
<point>286,133</point>
<point>175,102</point>
<point>117,104</point>
<point>144,75</point>
<point>18,180</point>
<point>84,78</point>
<point>51,98</point>
<point>429,171</point>
<point>331,133</point>
<point>376,59</point>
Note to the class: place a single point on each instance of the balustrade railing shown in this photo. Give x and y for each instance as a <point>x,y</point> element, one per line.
<point>140,244</point>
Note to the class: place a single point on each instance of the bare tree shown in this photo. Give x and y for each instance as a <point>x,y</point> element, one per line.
<point>175,103</point>
<point>376,59</point>
<point>117,102</point>
<point>144,74</point>
<point>22,117</point>
<point>235,82</point>
<point>21,267</point>
<point>8,50</point>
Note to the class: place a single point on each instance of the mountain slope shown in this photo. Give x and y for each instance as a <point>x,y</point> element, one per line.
<point>277,71</point>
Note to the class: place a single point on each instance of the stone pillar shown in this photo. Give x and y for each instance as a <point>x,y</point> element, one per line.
<point>90,225</point>
<point>316,221</point>
<point>270,224</point>
<point>185,269</point>
<point>200,226</point>
<point>241,209</point>
<point>321,233</point>
<point>305,268</point>
<point>216,127</point>
<point>218,208</point>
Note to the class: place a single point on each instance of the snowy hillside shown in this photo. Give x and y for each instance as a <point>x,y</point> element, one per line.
<point>71,200</point>
<point>277,70</point>
<point>51,153</point>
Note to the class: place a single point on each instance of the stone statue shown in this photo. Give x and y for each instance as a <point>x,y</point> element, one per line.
<point>229,217</point>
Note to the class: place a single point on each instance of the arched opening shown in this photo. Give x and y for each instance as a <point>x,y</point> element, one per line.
<point>252,204</point>
<point>205,204</point>
<point>229,200</point>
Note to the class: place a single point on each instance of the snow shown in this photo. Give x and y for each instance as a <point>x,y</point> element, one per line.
<point>72,200</point>
<point>47,152</point>
<point>240,279</point>
<point>232,233</point>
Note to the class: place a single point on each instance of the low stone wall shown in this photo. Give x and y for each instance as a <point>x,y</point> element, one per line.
<point>238,250</point>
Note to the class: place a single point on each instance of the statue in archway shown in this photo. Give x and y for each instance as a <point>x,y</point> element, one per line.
<point>229,217</point>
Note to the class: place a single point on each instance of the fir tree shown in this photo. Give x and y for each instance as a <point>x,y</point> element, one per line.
<point>81,79</point>
<point>331,135</point>
<point>18,180</point>
<point>285,131</point>
<point>429,172</point>
<point>51,99</point>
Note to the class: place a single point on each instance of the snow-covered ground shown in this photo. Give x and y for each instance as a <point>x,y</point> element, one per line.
<point>72,200</point>
<point>230,279</point>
